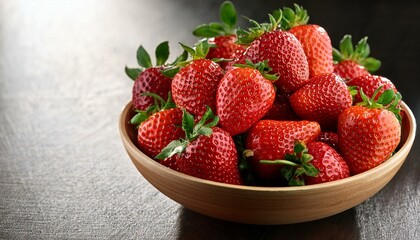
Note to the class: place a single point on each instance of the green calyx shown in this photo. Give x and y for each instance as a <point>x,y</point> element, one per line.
<point>292,18</point>
<point>358,53</point>
<point>158,105</point>
<point>296,165</point>
<point>262,67</point>
<point>144,60</point>
<point>162,54</point>
<point>226,26</point>
<point>388,100</point>
<point>258,29</point>
<point>192,132</point>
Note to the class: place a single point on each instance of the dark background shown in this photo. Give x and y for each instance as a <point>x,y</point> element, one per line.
<point>63,170</point>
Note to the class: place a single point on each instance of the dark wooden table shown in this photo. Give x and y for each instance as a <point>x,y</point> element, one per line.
<point>63,170</point>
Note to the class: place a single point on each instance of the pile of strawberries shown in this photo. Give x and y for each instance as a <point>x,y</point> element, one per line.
<point>272,105</point>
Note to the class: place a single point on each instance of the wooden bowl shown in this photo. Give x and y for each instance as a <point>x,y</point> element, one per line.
<point>266,205</point>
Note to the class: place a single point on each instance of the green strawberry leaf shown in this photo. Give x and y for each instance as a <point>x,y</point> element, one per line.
<point>206,31</point>
<point>228,15</point>
<point>346,46</point>
<point>371,64</point>
<point>174,147</point>
<point>337,57</point>
<point>170,71</point>
<point>143,58</point>
<point>133,73</point>
<point>386,97</point>
<point>296,182</point>
<point>140,117</point>
<point>181,58</point>
<point>162,53</point>
<point>201,49</point>
<point>187,123</point>
<point>287,172</point>
<point>205,131</point>
<point>310,170</point>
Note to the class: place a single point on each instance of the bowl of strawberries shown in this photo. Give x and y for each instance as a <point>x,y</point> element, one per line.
<point>268,125</point>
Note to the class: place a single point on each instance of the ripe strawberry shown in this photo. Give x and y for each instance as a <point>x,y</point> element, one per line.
<point>314,39</point>
<point>316,163</point>
<point>194,86</point>
<point>352,62</point>
<point>330,138</point>
<point>271,140</point>
<point>369,83</point>
<point>149,78</point>
<point>244,91</point>
<point>226,48</point>
<point>158,131</point>
<point>207,152</point>
<point>281,109</point>
<point>157,127</point>
<point>322,100</point>
<point>282,50</point>
<point>370,132</point>
<point>222,35</point>
<point>328,161</point>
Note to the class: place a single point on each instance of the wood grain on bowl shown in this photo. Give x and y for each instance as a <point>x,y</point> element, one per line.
<point>266,205</point>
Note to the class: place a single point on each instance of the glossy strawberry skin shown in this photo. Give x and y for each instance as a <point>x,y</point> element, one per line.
<point>271,140</point>
<point>330,138</point>
<point>212,158</point>
<point>317,47</point>
<point>367,137</point>
<point>158,131</point>
<point>281,108</point>
<point>322,100</point>
<point>328,161</point>
<point>369,83</point>
<point>349,69</point>
<point>225,48</point>
<point>150,80</point>
<point>285,56</point>
<point>194,86</point>
<point>243,97</point>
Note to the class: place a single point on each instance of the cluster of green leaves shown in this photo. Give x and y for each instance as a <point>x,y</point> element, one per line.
<point>358,53</point>
<point>292,18</point>
<point>158,105</point>
<point>226,26</point>
<point>192,132</point>
<point>388,100</point>
<point>296,165</point>
<point>258,29</point>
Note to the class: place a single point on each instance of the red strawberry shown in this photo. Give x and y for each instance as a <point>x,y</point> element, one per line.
<point>369,133</point>
<point>317,163</point>
<point>207,152</point>
<point>330,138</point>
<point>354,62</point>
<point>149,78</point>
<point>243,97</point>
<point>281,109</point>
<point>282,50</point>
<point>158,131</point>
<point>330,164</point>
<point>369,83</point>
<point>314,39</point>
<point>271,140</point>
<point>194,86</point>
<point>225,48</point>
<point>322,100</point>
<point>222,35</point>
